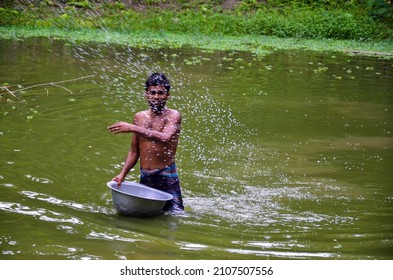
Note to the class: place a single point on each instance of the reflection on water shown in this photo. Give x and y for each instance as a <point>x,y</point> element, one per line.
<point>287,156</point>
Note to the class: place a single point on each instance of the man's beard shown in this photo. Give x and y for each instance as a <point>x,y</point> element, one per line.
<point>157,107</point>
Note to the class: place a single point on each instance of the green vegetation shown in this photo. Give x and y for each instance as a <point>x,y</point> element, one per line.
<point>350,20</point>
<point>256,44</point>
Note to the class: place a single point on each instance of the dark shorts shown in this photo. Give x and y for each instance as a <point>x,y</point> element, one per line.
<point>166,180</point>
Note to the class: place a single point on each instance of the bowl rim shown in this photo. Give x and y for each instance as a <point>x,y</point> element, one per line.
<point>113,188</point>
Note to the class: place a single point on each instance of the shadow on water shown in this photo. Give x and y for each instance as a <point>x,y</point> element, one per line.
<point>281,157</point>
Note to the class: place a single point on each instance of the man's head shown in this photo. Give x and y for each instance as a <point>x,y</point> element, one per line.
<point>156,79</point>
<point>157,91</point>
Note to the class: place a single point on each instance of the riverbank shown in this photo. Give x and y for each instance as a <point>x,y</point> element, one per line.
<point>259,27</point>
<point>280,18</point>
<point>259,45</point>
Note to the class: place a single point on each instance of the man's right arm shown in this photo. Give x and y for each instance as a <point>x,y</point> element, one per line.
<point>171,128</point>
<point>164,136</point>
<point>131,160</point>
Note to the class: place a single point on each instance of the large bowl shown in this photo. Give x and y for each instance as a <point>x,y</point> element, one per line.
<point>134,199</point>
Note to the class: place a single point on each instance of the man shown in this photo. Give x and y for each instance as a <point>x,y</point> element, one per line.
<point>154,142</point>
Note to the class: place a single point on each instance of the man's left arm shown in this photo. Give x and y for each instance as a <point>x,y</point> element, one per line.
<point>170,129</point>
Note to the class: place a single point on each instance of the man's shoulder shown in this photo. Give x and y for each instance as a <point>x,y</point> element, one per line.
<point>142,113</point>
<point>174,113</point>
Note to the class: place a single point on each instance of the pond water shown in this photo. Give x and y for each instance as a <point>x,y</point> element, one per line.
<point>286,156</point>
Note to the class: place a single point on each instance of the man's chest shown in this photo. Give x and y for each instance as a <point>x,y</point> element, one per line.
<point>157,124</point>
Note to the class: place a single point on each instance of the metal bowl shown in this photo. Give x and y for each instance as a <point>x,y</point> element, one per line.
<point>134,199</point>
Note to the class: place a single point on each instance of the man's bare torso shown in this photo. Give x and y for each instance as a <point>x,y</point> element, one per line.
<point>153,153</point>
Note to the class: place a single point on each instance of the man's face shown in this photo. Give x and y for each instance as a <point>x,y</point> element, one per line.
<point>156,98</point>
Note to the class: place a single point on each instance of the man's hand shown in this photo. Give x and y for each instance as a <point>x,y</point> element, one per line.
<point>119,179</point>
<point>121,127</point>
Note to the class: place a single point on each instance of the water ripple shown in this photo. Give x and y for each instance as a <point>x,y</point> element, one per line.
<point>57,201</point>
<point>263,206</point>
<point>282,254</point>
<point>110,237</point>
<point>39,180</point>
<point>40,213</point>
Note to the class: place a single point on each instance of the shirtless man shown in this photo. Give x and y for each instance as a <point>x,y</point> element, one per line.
<point>154,142</point>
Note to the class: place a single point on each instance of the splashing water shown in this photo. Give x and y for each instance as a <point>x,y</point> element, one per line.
<point>122,72</point>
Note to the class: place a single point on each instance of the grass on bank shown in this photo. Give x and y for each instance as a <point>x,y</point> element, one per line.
<point>259,45</point>
<point>249,25</point>
<point>329,19</point>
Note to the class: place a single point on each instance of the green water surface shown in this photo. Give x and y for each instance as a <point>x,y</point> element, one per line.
<point>286,156</point>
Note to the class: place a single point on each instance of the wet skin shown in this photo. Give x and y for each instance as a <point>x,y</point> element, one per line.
<point>155,134</point>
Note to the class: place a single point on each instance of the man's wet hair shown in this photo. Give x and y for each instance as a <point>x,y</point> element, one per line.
<point>157,79</point>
